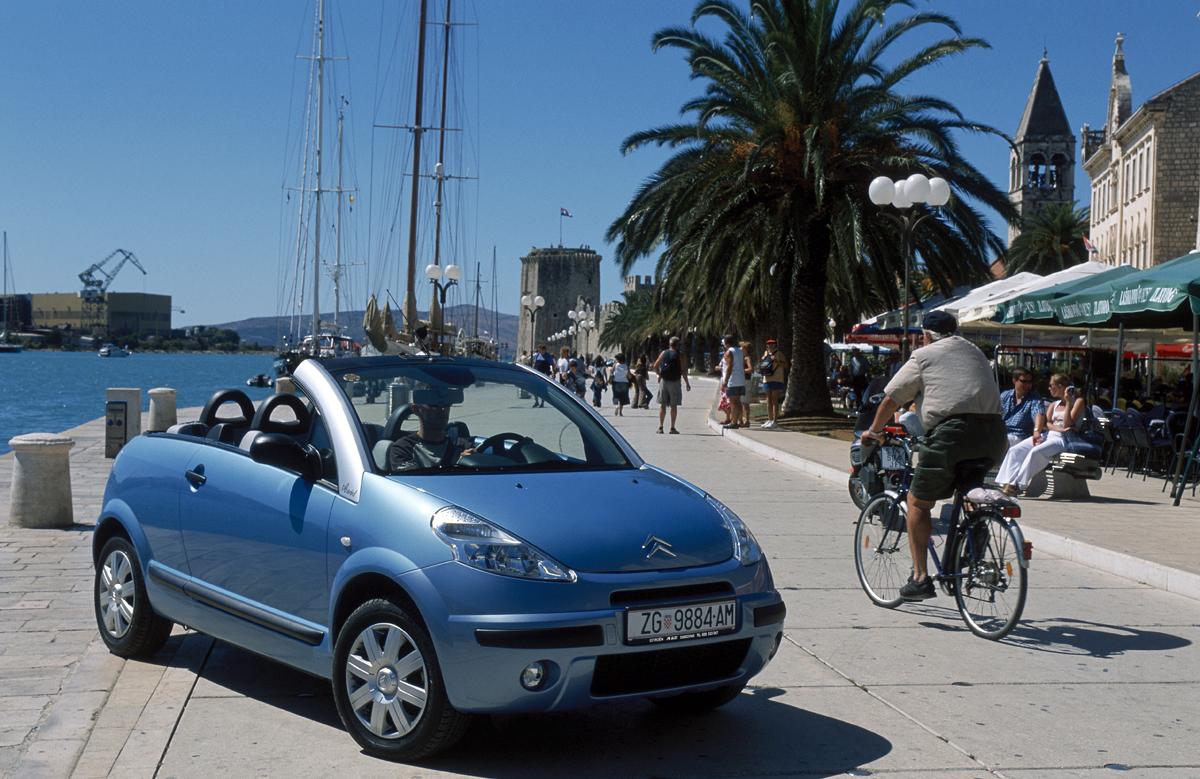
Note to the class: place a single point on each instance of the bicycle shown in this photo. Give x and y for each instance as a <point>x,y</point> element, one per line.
<point>985,559</point>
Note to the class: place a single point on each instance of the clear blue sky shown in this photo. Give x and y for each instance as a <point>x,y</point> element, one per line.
<point>164,128</point>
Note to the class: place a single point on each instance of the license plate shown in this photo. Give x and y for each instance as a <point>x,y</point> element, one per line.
<point>684,622</point>
<point>893,458</point>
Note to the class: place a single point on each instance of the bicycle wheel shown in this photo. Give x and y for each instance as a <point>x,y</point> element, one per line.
<point>881,550</point>
<point>991,582</point>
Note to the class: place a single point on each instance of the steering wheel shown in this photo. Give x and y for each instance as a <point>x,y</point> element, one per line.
<point>391,429</point>
<point>492,441</point>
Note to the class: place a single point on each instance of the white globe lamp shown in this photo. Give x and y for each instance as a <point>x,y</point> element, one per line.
<point>881,190</point>
<point>939,192</point>
<point>916,188</point>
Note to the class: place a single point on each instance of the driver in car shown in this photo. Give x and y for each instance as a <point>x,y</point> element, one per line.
<point>435,444</point>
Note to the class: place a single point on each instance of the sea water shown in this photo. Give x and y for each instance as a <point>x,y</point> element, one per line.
<point>48,392</point>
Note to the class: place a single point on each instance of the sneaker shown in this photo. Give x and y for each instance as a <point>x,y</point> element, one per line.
<point>914,591</point>
<point>674,431</point>
<point>659,431</point>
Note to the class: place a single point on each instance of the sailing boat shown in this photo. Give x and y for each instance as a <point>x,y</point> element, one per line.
<point>434,334</point>
<point>324,340</point>
<point>6,344</point>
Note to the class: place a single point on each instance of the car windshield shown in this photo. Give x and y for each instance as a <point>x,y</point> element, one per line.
<point>441,417</point>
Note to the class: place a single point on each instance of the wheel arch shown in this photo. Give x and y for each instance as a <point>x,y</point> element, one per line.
<point>362,587</point>
<point>117,520</point>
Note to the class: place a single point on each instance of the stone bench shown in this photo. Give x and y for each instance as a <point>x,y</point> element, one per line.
<point>1066,478</point>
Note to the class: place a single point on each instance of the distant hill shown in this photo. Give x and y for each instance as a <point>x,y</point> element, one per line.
<point>269,330</point>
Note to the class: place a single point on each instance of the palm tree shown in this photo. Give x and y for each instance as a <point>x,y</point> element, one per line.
<point>1051,239</point>
<point>763,207</point>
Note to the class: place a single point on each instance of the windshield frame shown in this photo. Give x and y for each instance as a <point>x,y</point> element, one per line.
<point>573,408</point>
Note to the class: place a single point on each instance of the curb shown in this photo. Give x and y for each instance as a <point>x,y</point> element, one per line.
<point>1152,574</point>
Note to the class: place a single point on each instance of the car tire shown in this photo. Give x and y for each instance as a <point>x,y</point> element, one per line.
<point>700,702</point>
<point>376,698</point>
<point>128,626</point>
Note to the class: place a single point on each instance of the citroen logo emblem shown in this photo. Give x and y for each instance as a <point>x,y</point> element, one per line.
<point>655,545</point>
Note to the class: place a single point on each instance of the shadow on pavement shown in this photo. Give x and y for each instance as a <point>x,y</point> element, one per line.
<point>1081,637</point>
<point>755,734</point>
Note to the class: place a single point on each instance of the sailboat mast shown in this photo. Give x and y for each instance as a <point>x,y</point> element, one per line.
<point>477,293</point>
<point>316,326</point>
<point>441,176</point>
<point>4,327</point>
<point>410,297</point>
<point>337,260</point>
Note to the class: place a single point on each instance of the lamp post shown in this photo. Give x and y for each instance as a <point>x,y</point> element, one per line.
<point>435,274</point>
<point>904,195</point>
<point>532,303</point>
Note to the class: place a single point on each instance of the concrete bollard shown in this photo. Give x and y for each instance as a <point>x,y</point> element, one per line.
<point>285,385</point>
<point>41,481</point>
<point>162,409</point>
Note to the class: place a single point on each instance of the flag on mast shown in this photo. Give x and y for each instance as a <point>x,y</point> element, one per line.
<point>1089,246</point>
<point>564,212</point>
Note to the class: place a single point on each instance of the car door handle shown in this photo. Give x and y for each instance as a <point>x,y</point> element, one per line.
<point>196,476</point>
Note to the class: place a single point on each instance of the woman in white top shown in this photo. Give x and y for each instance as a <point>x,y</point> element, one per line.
<point>620,384</point>
<point>733,379</point>
<point>1029,457</point>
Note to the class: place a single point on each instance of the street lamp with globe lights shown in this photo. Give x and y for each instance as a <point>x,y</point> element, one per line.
<point>435,274</point>
<point>903,195</point>
<point>532,303</point>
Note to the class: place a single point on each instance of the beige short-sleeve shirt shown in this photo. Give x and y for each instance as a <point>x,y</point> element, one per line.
<point>947,378</point>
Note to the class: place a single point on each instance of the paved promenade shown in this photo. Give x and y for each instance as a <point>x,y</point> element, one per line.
<point>1102,674</point>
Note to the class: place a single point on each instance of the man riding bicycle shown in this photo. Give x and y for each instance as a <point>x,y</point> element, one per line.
<point>960,407</point>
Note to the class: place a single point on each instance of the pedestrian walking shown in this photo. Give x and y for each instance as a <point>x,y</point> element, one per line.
<point>599,381</point>
<point>860,375</point>
<point>748,370</point>
<point>671,374</point>
<point>774,370</point>
<point>543,363</point>
<point>620,384</point>
<point>733,379</point>
<point>641,375</point>
<point>564,363</point>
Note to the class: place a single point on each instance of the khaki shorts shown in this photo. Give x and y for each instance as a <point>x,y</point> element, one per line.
<point>964,437</point>
<point>670,392</point>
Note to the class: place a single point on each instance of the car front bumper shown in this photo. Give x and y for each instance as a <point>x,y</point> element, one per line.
<point>583,649</point>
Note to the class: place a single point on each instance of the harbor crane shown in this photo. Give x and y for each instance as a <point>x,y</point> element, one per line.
<point>96,280</point>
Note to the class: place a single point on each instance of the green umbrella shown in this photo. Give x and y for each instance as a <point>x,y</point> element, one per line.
<point>1039,304</point>
<point>1164,296</point>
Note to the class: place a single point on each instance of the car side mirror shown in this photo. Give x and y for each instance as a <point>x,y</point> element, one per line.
<point>283,451</point>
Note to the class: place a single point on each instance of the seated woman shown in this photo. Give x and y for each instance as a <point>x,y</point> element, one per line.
<point>1029,457</point>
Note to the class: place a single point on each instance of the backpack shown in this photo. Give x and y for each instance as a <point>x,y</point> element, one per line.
<point>767,366</point>
<point>670,366</point>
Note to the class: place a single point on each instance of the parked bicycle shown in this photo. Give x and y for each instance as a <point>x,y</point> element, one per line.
<point>983,563</point>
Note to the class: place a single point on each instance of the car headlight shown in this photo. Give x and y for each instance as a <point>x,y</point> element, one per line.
<point>745,547</point>
<point>480,544</point>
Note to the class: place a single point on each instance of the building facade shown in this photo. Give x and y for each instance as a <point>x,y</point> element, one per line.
<point>566,278</point>
<point>1041,164</point>
<point>1144,167</point>
<point>125,313</point>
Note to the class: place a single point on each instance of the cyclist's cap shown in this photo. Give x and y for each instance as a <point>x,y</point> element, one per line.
<point>940,322</point>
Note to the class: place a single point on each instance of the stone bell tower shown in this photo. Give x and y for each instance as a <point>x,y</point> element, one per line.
<point>1042,164</point>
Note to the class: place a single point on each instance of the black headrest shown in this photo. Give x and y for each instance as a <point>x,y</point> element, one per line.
<point>263,422</point>
<point>209,415</point>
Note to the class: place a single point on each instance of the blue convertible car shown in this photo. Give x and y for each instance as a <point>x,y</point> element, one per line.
<point>436,541</point>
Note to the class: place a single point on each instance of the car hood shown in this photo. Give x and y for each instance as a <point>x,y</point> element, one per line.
<point>595,521</point>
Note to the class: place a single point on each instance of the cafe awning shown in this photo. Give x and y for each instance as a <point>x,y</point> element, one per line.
<point>1038,304</point>
<point>1164,296</point>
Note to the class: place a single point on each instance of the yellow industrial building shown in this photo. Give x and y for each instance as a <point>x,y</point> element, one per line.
<point>124,313</point>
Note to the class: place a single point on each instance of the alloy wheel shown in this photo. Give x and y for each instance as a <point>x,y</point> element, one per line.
<point>116,594</point>
<point>386,680</point>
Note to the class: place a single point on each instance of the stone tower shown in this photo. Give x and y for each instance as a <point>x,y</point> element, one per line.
<point>1041,166</point>
<point>567,278</point>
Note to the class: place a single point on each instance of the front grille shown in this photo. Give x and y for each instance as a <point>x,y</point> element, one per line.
<point>663,594</point>
<point>661,669</point>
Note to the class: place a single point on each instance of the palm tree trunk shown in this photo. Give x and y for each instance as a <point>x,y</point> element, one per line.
<point>807,391</point>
